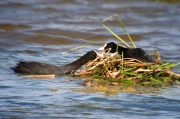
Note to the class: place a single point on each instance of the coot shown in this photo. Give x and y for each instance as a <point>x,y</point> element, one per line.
<point>136,53</point>
<point>29,67</point>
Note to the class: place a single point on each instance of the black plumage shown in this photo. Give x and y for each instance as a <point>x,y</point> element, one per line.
<point>136,53</point>
<point>29,67</point>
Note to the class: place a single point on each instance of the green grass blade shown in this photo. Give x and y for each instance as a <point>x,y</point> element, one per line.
<point>131,73</point>
<point>75,48</point>
<point>116,35</point>
<point>156,80</point>
<point>126,31</point>
<point>122,62</point>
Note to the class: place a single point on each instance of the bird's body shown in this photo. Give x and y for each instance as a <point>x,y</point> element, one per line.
<point>43,68</point>
<point>136,53</point>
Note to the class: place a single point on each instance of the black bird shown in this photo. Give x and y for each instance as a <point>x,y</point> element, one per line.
<point>29,67</point>
<point>136,53</point>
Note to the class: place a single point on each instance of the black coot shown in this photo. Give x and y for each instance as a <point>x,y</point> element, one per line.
<point>136,53</point>
<point>43,68</point>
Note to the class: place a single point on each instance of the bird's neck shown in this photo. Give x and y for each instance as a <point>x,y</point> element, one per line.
<point>68,68</point>
<point>79,62</point>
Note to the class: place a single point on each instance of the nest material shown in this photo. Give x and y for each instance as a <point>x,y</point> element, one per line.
<point>127,69</point>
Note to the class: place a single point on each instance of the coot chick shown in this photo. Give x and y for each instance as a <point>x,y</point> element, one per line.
<point>43,68</point>
<point>136,53</point>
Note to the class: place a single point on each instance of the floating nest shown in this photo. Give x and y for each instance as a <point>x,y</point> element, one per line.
<point>114,70</point>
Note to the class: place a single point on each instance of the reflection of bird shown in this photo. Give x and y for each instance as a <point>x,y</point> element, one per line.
<point>42,68</point>
<point>136,53</point>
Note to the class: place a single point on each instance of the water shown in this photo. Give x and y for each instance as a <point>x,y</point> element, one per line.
<point>40,30</point>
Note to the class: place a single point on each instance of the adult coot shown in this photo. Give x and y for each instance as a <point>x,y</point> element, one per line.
<point>136,53</point>
<point>43,68</point>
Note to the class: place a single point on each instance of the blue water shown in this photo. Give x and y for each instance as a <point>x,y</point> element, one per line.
<point>41,30</point>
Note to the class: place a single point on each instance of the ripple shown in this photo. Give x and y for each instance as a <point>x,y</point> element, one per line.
<point>48,40</point>
<point>40,30</point>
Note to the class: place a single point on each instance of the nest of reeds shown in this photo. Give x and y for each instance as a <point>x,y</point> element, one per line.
<point>115,70</point>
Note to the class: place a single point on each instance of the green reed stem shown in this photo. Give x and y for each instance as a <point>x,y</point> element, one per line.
<point>116,35</point>
<point>126,31</point>
<point>122,62</point>
<point>75,48</point>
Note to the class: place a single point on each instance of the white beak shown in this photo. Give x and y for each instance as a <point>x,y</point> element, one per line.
<point>102,48</point>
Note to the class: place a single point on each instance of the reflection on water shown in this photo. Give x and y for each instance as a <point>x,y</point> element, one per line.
<point>41,30</point>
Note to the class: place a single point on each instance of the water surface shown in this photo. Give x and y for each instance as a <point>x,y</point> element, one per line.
<point>40,30</point>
